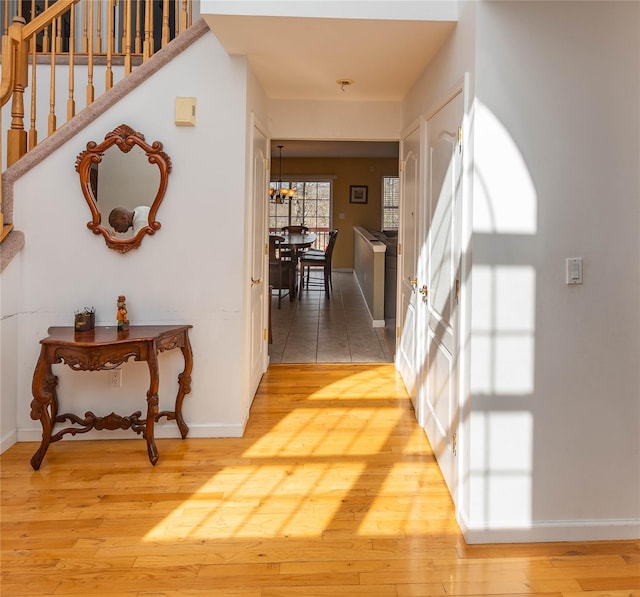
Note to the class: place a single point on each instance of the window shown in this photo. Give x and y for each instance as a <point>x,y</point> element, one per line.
<point>311,206</point>
<point>390,202</point>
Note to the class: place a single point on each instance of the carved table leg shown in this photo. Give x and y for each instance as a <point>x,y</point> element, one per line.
<point>184,384</point>
<point>44,405</point>
<point>152,407</point>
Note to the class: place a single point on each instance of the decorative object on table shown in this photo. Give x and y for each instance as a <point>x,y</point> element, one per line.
<point>85,320</point>
<point>358,193</point>
<point>121,315</point>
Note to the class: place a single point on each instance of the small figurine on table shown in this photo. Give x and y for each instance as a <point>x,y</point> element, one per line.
<point>121,315</point>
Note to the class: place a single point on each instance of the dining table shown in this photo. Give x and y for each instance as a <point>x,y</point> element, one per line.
<point>296,241</point>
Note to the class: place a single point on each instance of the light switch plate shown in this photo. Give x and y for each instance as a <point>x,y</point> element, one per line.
<point>574,270</point>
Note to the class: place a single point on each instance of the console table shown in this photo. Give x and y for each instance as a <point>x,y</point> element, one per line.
<point>101,349</point>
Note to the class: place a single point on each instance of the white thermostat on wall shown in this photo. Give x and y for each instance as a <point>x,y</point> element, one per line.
<point>185,111</point>
<point>574,270</point>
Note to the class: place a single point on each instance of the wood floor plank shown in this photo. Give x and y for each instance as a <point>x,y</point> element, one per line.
<point>333,491</point>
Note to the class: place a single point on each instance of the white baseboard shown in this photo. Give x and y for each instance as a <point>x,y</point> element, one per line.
<point>553,531</point>
<point>8,440</point>
<point>376,323</point>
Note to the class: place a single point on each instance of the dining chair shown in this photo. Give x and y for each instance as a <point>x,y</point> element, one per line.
<point>282,270</point>
<point>318,260</point>
<point>295,229</point>
<point>313,251</point>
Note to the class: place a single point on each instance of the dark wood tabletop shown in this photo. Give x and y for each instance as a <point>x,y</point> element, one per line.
<point>297,240</point>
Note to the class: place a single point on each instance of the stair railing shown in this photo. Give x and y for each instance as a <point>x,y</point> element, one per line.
<point>79,34</point>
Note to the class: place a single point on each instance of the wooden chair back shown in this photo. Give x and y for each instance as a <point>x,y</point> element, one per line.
<point>295,229</point>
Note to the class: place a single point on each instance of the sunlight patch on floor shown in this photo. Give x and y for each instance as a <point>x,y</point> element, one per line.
<point>298,500</point>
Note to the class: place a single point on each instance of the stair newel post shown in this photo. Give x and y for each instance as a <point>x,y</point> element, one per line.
<point>5,29</point>
<point>17,136</point>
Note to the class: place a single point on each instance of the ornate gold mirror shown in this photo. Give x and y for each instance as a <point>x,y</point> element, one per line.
<point>124,181</point>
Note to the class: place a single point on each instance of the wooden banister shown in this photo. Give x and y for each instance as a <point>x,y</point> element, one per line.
<point>46,18</point>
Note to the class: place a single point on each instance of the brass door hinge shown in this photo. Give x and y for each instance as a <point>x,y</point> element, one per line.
<point>460,138</point>
<point>454,444</point>
<point>265,334</point>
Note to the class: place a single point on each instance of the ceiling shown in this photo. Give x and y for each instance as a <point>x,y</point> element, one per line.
<point>299,58</point>
<point>302,58</point>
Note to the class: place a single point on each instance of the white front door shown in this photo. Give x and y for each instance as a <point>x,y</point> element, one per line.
<point>438,287</point>
<point>258,282</point>
<point>408,260</point>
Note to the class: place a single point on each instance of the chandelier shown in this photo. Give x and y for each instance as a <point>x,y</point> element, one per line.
<point>279,194</point>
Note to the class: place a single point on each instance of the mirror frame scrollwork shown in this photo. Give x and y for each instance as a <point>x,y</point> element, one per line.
<point>125,138</point>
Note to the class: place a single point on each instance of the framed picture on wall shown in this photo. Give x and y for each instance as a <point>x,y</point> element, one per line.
<point>358,193</point>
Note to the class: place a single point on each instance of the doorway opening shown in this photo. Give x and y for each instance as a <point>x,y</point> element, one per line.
<point>308,327</point>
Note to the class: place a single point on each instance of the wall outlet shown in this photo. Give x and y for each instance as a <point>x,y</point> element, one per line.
<point>115,378</point>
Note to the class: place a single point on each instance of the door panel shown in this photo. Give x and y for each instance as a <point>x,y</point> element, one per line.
<point>439,386</point>
<point>258,341</point>
<point>437,311</point>
<point>441,231</point>
<point>406,360</point>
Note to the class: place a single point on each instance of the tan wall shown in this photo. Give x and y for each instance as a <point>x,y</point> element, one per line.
<point>353,171</point>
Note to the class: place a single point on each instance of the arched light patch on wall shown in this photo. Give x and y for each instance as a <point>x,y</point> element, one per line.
<point>505,199</point>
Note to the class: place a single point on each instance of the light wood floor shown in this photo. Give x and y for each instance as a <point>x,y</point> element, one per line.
<point>332,492</point>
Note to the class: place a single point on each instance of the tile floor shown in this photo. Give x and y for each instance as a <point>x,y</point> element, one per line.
<point>312,329</point>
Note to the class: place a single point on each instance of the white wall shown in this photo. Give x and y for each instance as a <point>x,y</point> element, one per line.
<point>189,271</point>
<point>9,337</point>
<point>555,421</point>
<point>550,418</point>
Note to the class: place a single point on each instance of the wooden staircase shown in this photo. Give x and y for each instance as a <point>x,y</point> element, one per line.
<point>84,37</point>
